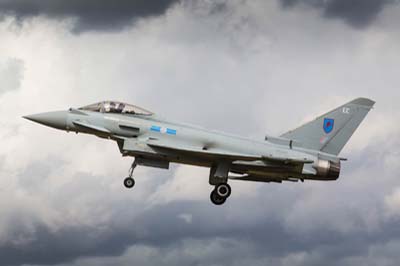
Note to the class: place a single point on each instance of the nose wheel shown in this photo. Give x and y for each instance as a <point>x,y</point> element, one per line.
<point>220,193</point>
<point>129,182</point>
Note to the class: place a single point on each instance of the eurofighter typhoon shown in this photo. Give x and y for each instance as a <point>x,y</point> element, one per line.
<point>309,152</point>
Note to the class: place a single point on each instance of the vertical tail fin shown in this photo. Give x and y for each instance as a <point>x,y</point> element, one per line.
<point>330,132</point>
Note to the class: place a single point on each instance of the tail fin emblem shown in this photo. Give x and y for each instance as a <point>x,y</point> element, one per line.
<point>328,125</point>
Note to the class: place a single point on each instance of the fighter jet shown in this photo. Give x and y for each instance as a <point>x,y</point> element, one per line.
<point>309,152</point>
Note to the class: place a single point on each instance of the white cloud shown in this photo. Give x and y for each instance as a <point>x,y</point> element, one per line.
<point>187,217</point>
<point>392,203</point>
<point>188,183</point>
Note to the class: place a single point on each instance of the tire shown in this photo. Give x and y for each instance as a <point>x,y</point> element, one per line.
<point>223,190</point>
<point>129,182</point>
<point>216,199</point>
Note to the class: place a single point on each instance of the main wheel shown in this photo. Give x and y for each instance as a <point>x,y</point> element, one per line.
<point>217,200</point>
<point>129,182</point>
<point>223,190</point>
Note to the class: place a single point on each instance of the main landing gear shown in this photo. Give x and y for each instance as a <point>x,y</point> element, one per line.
<point>219,179</point>
<point>220,193</point>
<point>129,182</point>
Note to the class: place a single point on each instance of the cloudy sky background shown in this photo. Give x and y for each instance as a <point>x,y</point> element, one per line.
<point>247,67</point>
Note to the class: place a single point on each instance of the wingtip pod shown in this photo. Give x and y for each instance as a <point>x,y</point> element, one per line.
<point>363,102</point>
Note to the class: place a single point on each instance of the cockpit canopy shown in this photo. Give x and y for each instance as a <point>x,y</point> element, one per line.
<point>116,107</point>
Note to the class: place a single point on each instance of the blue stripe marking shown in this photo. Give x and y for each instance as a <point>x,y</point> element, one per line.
<point>171,131</point>
<point>155,128</point>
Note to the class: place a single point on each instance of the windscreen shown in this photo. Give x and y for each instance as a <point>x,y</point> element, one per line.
<point>116,107</point>
<point>96,107</point>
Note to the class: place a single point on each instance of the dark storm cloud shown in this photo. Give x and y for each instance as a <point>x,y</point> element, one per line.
<point>267,238</point>
<point>90,14</point>
<point>358,13</point>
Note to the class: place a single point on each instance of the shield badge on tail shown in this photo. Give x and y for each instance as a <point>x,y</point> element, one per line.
<point>328,125</point>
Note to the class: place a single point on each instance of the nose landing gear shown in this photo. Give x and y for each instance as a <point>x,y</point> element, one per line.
<point>129,182</point>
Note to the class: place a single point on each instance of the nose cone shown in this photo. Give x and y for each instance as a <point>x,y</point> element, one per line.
<point>56,119</point>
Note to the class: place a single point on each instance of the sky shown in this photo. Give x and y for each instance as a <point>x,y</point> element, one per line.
<point>247,67</point>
